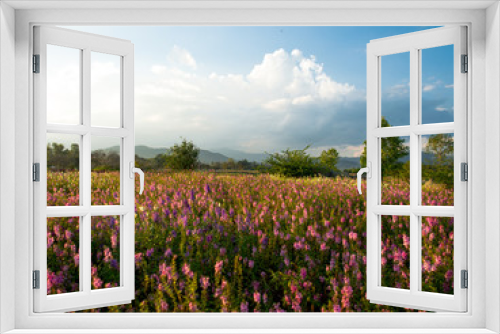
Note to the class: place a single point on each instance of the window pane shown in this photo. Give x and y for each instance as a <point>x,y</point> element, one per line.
<point>63,85</point>
<point>105,90</point>
<point>395,89</point>
<point>437,254</point>
<point>395,245</point>
<point>437,84</point>
<point>63,255</point>
<point>395,171</point>
<point>106,170</point>
<point>105,252</point>
<point>63,169</point>
<point>437,169</point>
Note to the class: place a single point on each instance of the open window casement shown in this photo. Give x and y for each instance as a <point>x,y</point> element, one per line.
<point>419,217</point>
<point>83,100</point>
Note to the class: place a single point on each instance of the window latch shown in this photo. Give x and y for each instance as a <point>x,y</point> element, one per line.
<point>368,171</point>
<point>139,171</point>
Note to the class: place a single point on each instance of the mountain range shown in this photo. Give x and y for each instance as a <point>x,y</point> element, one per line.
<point>223,155</point>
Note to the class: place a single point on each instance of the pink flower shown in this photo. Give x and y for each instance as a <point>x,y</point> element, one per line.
<point>218,267</point>
<point>256,297</point>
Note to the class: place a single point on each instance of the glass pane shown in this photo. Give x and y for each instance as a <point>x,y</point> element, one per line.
<point>63,85</point>
<point>106,170</point>
<point>105,252</point>
<point>437,254</point>
<point>63,255</point>
<point>105,90</point>
<point>437,169</point>
<point>437,84</point>
<point>395,251</point>
<point>63,169</point>
<point>395,89</point>
<point>395,171</point>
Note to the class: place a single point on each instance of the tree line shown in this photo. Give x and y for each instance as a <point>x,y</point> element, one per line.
<point>288,163</point>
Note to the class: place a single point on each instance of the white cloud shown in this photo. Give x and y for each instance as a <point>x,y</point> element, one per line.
<point>352,151</point>
<point>180,56</point>
<point>398,90</point>
<point>284,98</point>
<point>428,88</point>
<point>441,109</point>
<point>449,86</point>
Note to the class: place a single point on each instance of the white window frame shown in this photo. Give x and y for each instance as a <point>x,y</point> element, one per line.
<point>483,100</point>
<point>414,43</point>
<point>85,297</point>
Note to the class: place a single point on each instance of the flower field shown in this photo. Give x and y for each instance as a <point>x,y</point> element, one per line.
<point>247,243</point>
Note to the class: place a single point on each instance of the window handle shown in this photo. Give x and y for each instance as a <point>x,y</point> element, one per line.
<point>368,172</point>
<point>139,171</point>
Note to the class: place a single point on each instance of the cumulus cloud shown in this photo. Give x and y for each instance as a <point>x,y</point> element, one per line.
<point>428,88</point>
<point>285,100</point>
<point>441,109</point>
<point>180,56</point>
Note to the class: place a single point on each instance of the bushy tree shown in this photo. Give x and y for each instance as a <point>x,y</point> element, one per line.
<point>440,167</point>
<point>329,159</point>
<point>60,158</point>
<point>104,161</point>
<point>292,163</point>
<point>183,156</point>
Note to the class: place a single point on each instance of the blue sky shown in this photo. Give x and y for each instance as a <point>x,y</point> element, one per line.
<point>261,89</point>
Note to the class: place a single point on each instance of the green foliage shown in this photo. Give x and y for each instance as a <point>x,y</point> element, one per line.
<point>393,149</point>
<point>183,156</point>
<point>439,169</point>
<point>292,163</point>
<point>105,161</point>
<point>298,163</point>
<point>156,163</point>
<point>329,159</point>
<point>60,158</point>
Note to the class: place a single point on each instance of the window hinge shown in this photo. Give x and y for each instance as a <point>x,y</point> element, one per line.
<point>465,64</point>
<point>36,172</point>
<point>36,63</point>
<point>465,279</point>
<point>464,171</point>
<point>36,279</point>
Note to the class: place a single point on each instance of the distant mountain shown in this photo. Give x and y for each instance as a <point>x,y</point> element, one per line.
<point>208,157</point>
<point>348,163</point>
<point>147,152</point>
<point>240,155</point>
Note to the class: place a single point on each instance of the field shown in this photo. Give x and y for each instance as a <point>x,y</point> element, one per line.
<point>247,243</point>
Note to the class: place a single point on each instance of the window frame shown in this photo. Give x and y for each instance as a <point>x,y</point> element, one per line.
<point>476,316</point>
<point>86,44</point>
<point>414,44</point>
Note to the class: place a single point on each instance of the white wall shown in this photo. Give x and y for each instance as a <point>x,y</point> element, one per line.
<point>7,160</point>
<point>492,164</point>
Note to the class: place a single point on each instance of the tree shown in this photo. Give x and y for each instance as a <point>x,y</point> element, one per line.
<point>439,168</point>
<point>60,158</point>
<point>441,147</point>
<point>329,159</point>
<point>183,156</point>
<point>393,149</point>
<point>292,163</point>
